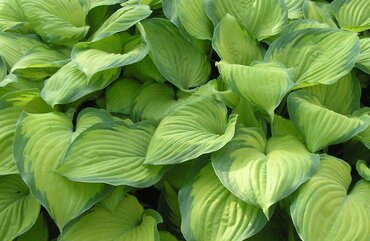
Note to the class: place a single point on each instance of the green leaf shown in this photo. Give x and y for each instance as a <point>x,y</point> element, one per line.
<point>112,153</point>
<point>69,84</point>
<point>12,83</point>
<point>312,10</point>
<point>261,18</point>
<point>342,97</point>
<point>282,127</point>
<point>38,232</point>
<point>40,143</point>
<point>294,8</point>
<point>210,212</point>
<point>121,20</point>
<point>12,17</point>
<point>352,14</point>
<point>3,69</point>
<point>18,209</point>
<point>194,19</point>
<point>273,82</point>
<point>128,222</point>
<point>57,21</point>
<point>11,106</point>
<point>324,209</point>
<point>196,127</point>
<point>241,49</point>
<point>92,58</point>
<point>97,3</point>
<point>14,46</point>
<point>176,58</point>
<point>248,116</point>
<point>120,95</point>
<point>363,169</point>
<point>363,61</point>
<point>311,53</point>
<point>144,70</point>
<point>262,172</point>
<point>112,201</point>
<point>40,62</point>
<point>321,126</point>
<point>166,236</point>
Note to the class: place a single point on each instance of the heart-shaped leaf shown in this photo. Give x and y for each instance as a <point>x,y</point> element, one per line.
<point>127,222</point>
<point>323,208</point>
<point>196,127</point>
<point>262,172</point>
<point>210,212</point>
<point>39,145</point>
<point>18,209</point>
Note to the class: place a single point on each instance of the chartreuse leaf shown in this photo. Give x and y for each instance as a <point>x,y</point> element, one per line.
<point>57,21</point>
<point>120,95</point>
<point>294,8</point>
<point>128,222</point>
<point>112,153</point>
<point>121,20</point>
<point>14,46</point>
<point>176,58</point>
<point>12,83</point>
<point>352,14</point>
<point>261,18</point>
<point>3,69</point>
<point>39,145</point>
<point>39,62</point>
<point>312,10</point>
<point>363,61</point>
<point>97,3</point>
<point>282,127</point>
<point>196,127</point>
<point>273,81</point>
<point>211,212</point>
<point>12,17</point>
<point>166,236</point>
<point>343,96</point>
<point>153,102</point>
<point>311,51</point>
<point>112,201</point>
<point>324,209</point>
<point>319,125</point>
<point>18,209</point>
<point>92,58</point>
<point>194,19</point>
<point>241,49</point>
<point>262,172</point>
<point>11,106</point>
<point>38,232</point>
<point>363,169</point>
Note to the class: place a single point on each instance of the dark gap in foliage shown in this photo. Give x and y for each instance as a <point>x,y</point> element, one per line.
<point>52,227</point>
<point>148,197</point>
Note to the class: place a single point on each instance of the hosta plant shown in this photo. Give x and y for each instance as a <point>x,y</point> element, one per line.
<point>198,120</point>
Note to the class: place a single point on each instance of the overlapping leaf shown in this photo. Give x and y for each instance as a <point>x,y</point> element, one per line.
<point>363,61</point>
<point>262,172</point>
<point>39,231</point>
<point>352,14</point>
<point>210,212</point>
<point>312,10</point>
<point>325,209</point>
<point>12,17</point>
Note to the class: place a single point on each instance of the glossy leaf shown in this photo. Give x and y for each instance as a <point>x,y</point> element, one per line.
<point>241,49</point>
<point>262,172</point>
<point>311,51</point>
<point>40,143</point>
<point>112,153</point>
<point>18,209</point>
<point>176,58</point>
<point>198,126</point>
<point>273,82</point>
<point>261,18</point>
<point>352,14</point>
<point>319,125</point>
<point>325,209</point>
<point>128,222</point>
<point>210,212</point>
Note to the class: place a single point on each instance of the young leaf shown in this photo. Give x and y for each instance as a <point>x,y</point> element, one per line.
<point>363,169</point>
<point>40,143</point>
<point>176,58</point>
<point>128,222</point>
<point>323,208</point>
<point>311,53</point>
<point>196,127</point>
<point>18,208</point>
<point>210,212</point>
<point>112,153</point>
<point>241,49</point>
<point>261,18</point>
<point>262,172</point>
